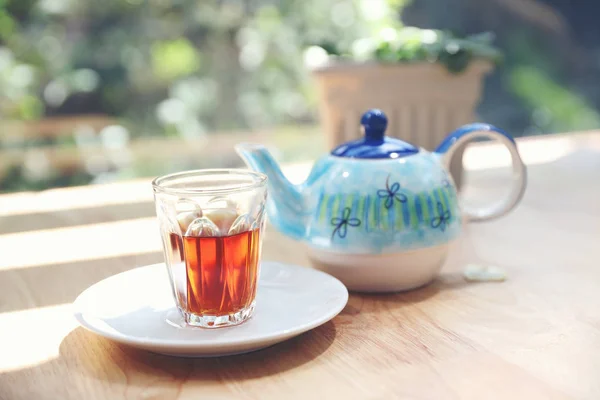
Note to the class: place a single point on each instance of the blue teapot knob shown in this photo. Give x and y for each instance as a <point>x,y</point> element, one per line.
<point>374,123</point>
<point>375,144</point>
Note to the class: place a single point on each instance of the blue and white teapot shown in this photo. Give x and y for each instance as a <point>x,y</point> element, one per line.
<point>379,213</point>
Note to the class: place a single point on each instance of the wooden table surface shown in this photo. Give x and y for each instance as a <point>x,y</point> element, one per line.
<point>534,336</point>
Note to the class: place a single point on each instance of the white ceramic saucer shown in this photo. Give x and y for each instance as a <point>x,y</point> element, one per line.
<point>136,308</point>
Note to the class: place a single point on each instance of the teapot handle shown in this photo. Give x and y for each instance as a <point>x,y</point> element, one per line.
<point>469,132</point>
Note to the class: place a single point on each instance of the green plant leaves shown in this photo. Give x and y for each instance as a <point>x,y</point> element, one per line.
<point>173,59</point>
<point>410,44</point>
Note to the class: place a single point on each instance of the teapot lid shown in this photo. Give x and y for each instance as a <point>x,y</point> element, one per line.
<point>375,145</point>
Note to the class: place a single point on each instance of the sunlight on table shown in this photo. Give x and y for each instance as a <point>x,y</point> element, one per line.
<point>84,242</point>
<point>22,346</point>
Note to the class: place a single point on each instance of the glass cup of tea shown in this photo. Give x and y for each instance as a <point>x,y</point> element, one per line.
<point>211,223</point>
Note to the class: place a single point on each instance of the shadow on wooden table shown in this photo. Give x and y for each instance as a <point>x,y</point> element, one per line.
<point>62,282</point>
<point>95,356</point>
<point>84,216</point>
<point>379,302</point>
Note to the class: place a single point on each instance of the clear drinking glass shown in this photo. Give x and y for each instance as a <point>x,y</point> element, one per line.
<point>211,223</point>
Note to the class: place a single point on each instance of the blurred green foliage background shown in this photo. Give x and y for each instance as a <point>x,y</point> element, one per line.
<point>191,70</point>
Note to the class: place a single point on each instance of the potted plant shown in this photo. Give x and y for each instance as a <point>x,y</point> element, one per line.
<point>428,82</point>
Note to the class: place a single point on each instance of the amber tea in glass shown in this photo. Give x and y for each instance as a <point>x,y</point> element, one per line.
<point>211,223</point>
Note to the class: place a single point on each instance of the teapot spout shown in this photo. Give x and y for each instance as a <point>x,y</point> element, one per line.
<point>285,203</point>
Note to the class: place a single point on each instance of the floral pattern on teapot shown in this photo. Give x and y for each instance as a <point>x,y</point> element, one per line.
<point>398,206</point>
